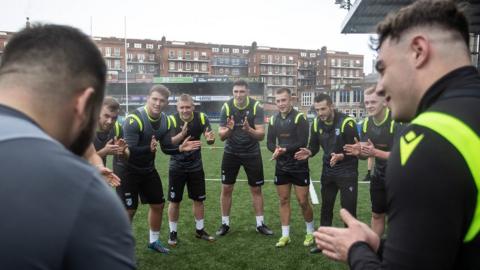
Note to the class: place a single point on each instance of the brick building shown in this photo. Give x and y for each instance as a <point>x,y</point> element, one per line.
<point>305,72</point>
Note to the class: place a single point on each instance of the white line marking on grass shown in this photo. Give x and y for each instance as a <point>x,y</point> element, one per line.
<point>270,180</point>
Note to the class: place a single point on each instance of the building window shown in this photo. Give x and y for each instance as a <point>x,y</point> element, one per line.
<point>290,81</point>
<point>269,59</point>
<point>195,67</point>
<point>179,54</point>
<point>204,55</point>
<point>332,62</point>
<point>141,68</point>
<point>357,95</point>
<point>137,45</point>
<point>245,51</point>
<point>345,73</point>
<point>277,69</point>
<point>226,50</point>
<point>171,54</point>
<point>187,55</point>
<point>284,59</point>
<point>180,66</point>
<point>220,71</point>
<point>344,96</point>
<point>129,68</point>
<point>149,46</point>
<point>195,55</point>
<point>116,64</point>
<point>263,69</point>
<point>277,80</point>
<point>108,51</point>
<point>188,66</point>
<point>332,72</point>
<point>159,46</point>
<point>235,50</point>
<point>141,57</point>
<point>204,67</point>
<point>128,45</point>
<point>116,52</point>
<point>357,73</point>
<point>215,50</point>
<point>151,57</point>
<point>307,98</point>
<point>235,72</point>
<point>312,55</point>
<point>152,68</point>
<point>303,54</point>
<point>262,58</point>
<point>290,71</point>
<point>109,63</point>
<point>130,56</point>
<point>171,65</point>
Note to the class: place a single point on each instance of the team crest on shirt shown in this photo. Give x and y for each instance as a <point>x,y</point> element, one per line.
<point>172,194</point>
<point>128,201</point>
<point>337,131</point>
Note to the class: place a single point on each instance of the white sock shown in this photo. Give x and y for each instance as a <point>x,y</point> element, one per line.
<point>154,236</point>
<point>226,220</point>
<point>199,224</point>
<point>173,226</point>
<point>285,231</point>
<point>259,220</point>
<point>310,227</point>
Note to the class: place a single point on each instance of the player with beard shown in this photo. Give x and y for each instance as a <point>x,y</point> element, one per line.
<point>58,213</point>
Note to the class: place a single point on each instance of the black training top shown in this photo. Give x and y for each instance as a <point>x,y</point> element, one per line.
<point>58,212</point>
<point>138,130</point>
<point>431,192</point>
<point>188,161</point>
<point>102,138</point>
<point>332,137</point>
<point>382,136</point>
<point>239,142</point>
<point>291,133</point>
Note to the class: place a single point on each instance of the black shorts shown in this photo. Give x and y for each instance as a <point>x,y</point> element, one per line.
<point>378,194</point>
<point>134,184</point>
<point>295,178</point>
<point>253,166</point>
<point>195,185</point>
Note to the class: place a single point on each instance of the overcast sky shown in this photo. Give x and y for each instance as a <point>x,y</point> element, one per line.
<point>304,24</point>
